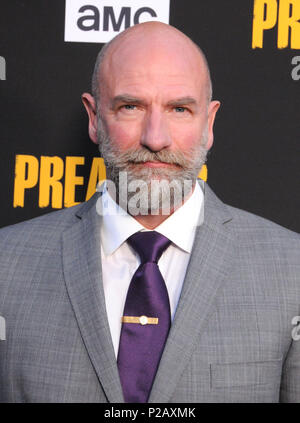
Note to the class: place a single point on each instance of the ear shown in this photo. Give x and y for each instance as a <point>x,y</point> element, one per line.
<point>212,110</point>
<point>90,106</point>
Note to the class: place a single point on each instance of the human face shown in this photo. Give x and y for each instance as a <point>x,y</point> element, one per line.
<point>155,103</point>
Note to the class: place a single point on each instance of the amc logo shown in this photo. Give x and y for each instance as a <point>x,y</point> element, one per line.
<point>98,21</point>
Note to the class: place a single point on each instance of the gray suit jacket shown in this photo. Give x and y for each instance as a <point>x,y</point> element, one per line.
<point>230,340</point>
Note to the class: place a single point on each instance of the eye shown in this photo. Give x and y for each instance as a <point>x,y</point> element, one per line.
<point>128,107</point>
<point>180,109</point>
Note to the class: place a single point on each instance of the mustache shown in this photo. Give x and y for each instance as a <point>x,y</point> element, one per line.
<point>142,155</point>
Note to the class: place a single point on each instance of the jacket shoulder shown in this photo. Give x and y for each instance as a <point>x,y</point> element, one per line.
<point>250,223</point>
<point>246,225</point>
<point>45,229</point>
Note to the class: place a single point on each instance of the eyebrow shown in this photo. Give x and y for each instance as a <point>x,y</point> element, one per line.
<point>127,98</point>
<point>182,101</point>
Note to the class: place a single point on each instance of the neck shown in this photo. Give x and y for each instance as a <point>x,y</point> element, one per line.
<point>151,221</point>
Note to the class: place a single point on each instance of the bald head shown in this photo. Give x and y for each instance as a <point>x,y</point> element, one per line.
<point>150,38</point>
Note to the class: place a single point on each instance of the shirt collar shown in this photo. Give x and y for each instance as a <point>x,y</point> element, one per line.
<point>117,225</point>
<point>180,227</point>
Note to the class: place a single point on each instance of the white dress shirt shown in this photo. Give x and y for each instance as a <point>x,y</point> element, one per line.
<point>120,261</point>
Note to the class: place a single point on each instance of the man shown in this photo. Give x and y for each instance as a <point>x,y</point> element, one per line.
<point>154,295</point>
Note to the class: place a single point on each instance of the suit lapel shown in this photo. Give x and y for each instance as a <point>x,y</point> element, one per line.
<point>209,264</point>
<point>83,276</point>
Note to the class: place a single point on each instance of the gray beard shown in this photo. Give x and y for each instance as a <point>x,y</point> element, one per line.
<point>151,190</point>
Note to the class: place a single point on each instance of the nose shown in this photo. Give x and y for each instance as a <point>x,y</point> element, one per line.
<point>155,135</point>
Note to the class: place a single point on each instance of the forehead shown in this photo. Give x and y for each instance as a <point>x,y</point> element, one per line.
<point>143,68</point>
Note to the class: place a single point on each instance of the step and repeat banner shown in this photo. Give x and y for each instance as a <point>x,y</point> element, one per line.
<point>47,53</point>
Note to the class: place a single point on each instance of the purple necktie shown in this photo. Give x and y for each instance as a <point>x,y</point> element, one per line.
<point>141,344</point>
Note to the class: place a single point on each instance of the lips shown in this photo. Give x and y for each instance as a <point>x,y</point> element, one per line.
<point>157,164</point>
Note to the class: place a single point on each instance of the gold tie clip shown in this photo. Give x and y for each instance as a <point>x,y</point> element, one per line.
<point>143,320</point>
